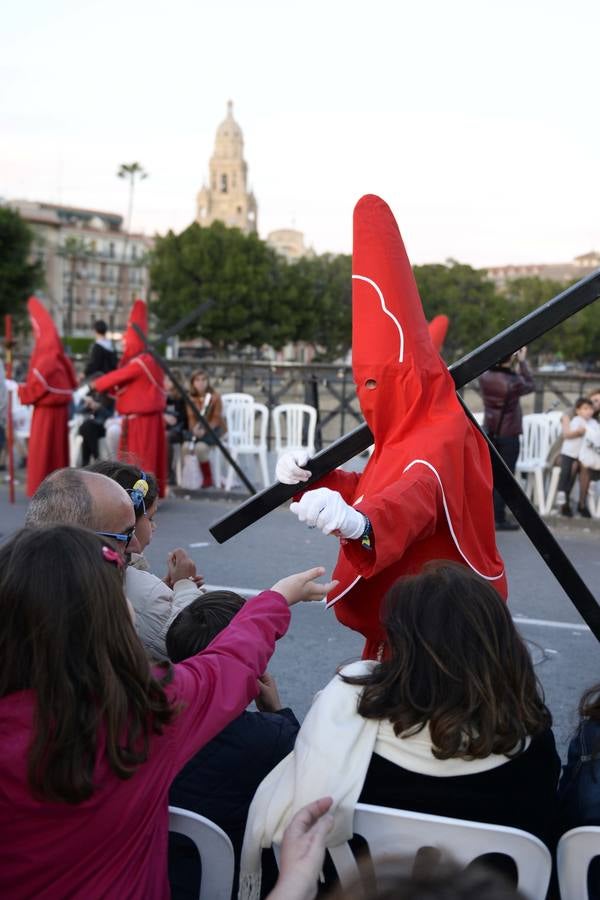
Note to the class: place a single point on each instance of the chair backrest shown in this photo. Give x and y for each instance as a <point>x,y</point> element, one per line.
<point>294,425</point>
<point>214,849</point>
<point>239,415</point>
<point>399,833</point>
<point>261,414</point>
<point>576,849</point>
<point>246,425</point>
<point>535,442</point>
<point>236,399</point>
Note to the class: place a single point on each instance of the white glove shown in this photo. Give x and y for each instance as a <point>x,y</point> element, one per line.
<point>288,469</point>
<point>327,510</point>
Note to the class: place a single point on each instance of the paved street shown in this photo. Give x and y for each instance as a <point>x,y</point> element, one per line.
<point>566,654</point>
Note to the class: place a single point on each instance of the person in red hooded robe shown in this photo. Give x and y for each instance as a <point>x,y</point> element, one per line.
<point>49,387</point>
<point>426,492</point>
<point>140,401</point>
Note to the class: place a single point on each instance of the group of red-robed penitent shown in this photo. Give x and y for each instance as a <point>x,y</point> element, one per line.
<point>137,385</point>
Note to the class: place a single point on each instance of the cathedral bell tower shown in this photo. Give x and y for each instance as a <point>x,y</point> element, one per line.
<point>227,199</point>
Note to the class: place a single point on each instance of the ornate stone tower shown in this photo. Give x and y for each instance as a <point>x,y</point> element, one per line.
<point>226,198</point>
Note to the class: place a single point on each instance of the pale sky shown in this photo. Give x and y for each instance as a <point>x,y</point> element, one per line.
<point>476,121</point>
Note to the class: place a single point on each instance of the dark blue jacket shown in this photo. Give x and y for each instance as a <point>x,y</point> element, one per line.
<point>579,789</point>
<point>220,781</point>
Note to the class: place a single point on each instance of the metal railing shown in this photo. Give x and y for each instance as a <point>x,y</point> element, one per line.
<point>330,388</point>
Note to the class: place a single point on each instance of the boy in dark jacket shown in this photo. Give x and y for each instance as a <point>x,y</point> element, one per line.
<point>220,781</point>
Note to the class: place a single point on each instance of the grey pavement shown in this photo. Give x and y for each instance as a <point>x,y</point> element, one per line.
<point>566,655</point>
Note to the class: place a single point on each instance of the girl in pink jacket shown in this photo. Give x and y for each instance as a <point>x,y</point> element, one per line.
<point>91,736</point>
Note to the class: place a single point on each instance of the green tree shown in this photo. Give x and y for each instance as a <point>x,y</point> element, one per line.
<point>468,298</point>
<point>239,273</point>
<point>19,277</point>
<point>318,292</point>
<point>577,337</point>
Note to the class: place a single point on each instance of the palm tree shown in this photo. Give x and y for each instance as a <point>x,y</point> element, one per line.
<point>76,250</point>
<point>130,171</point>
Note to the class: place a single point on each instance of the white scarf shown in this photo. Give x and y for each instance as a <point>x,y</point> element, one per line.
<point>331,757</point>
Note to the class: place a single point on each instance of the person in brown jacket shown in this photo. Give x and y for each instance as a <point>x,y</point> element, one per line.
<point>210,405</point>
<point>501,387</point>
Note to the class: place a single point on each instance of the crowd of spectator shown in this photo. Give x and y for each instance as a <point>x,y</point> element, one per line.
<point>122,691</point>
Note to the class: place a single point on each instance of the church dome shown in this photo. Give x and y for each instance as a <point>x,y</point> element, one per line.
<point>229,141</point>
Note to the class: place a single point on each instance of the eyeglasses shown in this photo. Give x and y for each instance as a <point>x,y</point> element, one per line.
<point>125,536</point>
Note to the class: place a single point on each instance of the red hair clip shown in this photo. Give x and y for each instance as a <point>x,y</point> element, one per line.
<point>112,556</point>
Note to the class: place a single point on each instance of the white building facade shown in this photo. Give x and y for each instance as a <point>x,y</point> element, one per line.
<point>93,269</point>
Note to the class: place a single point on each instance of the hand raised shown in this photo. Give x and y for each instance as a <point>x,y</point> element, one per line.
<point>180,566</point>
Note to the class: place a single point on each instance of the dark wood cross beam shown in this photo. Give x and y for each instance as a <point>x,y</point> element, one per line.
<point>169,372</point>
<point>185,321</point>
<point>517,335</point>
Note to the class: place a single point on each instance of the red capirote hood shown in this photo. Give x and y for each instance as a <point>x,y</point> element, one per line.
<point>48,352</point>
<point>438,329</point>
<point>133,345</point>
<point>413,411</point>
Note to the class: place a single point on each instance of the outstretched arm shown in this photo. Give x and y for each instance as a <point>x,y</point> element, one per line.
<point>116,378</point>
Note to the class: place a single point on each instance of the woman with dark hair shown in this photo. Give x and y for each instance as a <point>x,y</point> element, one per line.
<point>452,722</point>
<point>209,402</point>
<point>91,735</point>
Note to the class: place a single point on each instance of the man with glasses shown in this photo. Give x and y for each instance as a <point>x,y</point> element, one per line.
<point>93,501</point>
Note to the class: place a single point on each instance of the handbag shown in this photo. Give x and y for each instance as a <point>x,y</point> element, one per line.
<point>493,438</point>
<point>191,479</point>
<point>589,454</point>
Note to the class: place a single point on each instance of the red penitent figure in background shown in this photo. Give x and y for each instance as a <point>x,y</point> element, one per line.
<point>426,492</point>
<point>49,387</point>
<point>140,401</point>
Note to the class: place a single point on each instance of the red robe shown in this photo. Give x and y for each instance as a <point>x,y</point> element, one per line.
<point>427,488</point>
<point>49,387</point>
<point>140,400</point>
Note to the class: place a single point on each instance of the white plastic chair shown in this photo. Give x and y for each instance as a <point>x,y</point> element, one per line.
<point>217,459</point>
<point>533,456</point>
<point>575,851</point>
<point>399,833</point>
<point>593,499</point>
<point>214,849</point>
<point>554,431</point>
<point>246,433</point>
<point>294,425</point>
